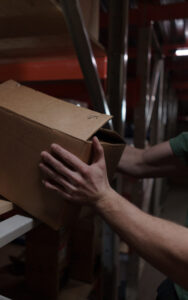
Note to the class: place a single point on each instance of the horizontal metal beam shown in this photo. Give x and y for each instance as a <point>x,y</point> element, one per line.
<point>180,85</point>
<point>179,64</point>
<point>4,298</point>
<point>183,118</point>
<point>60,68</point>
<point>148,12</point>
<point>166,50</point>
<point>182,96</point>
<point>169,49</point>
<point>179,75</point>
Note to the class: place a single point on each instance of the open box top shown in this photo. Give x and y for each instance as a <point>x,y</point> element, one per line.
<point>29,123</point>
<point>76,121</point>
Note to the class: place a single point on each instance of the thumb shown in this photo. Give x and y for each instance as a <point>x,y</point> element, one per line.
<point>98,152</point>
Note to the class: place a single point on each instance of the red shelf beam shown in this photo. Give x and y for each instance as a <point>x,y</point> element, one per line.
<point>45,58</point>
<point>47,69</point>
<point>148,12</point>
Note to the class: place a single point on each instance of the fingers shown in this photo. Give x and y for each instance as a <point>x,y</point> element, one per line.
<point>57,165</point>
<point>68,157</point>
<point>55,188</point>
<point>98,150</point>
<point>57,178</point>
<point>73,179</point>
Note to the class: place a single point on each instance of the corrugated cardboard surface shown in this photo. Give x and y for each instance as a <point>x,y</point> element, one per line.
<point>49,111</point>
<point>76,290</point>
<point>29,122</point>
<point>47,259</point>
<point>35,18</point>
<point>86,248</point>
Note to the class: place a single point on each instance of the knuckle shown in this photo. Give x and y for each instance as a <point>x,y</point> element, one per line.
<point>78,182</point>
<point>59,168</point>
<point>85,170</point>
<point>60,180</point>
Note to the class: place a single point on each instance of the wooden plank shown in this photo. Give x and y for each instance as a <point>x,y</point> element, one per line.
<point>13,227</point>
<point>4,298</point>
<point>5,206</point>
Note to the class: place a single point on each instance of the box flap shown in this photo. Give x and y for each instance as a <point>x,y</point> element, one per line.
<point>57,114</point>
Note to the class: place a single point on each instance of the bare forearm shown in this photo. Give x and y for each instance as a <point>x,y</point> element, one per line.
<point>162,243</point>
<point>156,161</point>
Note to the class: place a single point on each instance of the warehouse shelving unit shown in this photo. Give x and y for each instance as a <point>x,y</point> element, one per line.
<point>37,60</point>
<point>14,225</point>
<point>59,62</point>
<point>47,58</point>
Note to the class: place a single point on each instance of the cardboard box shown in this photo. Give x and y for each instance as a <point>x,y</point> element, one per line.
<point>85,248</point>
<point>76,290</point>
<point>29,122</point>
<point>26,18</point>
<point>47,259</point>
<point>90,10</point>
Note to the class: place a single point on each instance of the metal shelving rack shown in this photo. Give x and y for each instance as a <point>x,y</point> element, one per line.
<point>64,65</point>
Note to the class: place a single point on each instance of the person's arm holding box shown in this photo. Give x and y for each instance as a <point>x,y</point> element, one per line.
<point>162,243</point>
<point>155,161</point>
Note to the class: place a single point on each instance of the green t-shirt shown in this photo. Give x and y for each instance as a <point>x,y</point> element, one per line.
<point>181,293</point>
<point>179,147</point>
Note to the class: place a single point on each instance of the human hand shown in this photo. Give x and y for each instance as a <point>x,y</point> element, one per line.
<point>73,179</point>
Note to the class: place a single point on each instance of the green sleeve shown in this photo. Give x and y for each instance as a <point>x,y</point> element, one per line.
<point>179,146</point>
<point>182,294</point>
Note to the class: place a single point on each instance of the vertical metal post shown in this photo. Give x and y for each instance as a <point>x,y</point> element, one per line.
<point>117,61</point>
<point>160,115</point>
<point>156,76</point>
<point>143,72</point>
<point>158,134</point>
<point>172,112</point>
<point>116,95</point>
<point>75,23</point>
